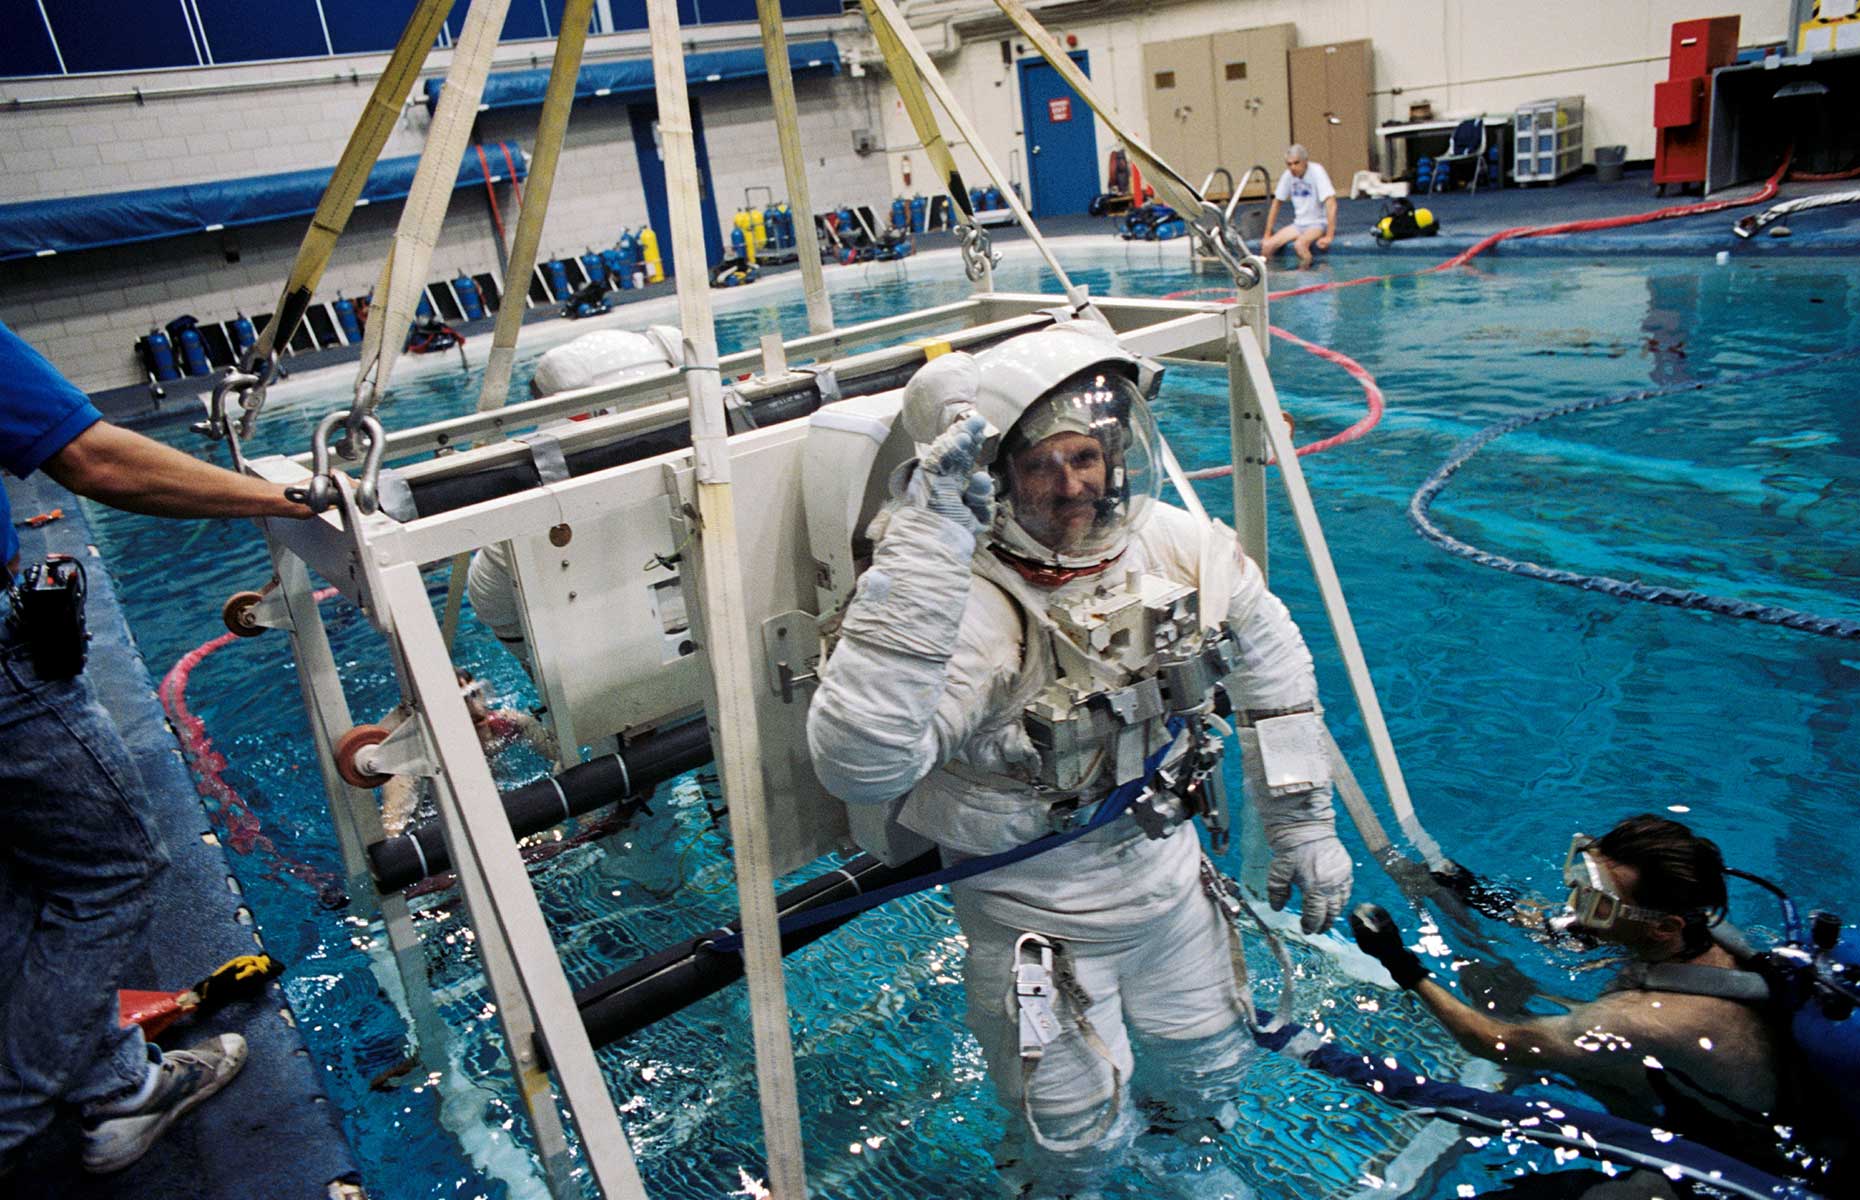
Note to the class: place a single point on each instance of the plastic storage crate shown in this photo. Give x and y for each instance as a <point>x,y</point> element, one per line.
<point>1548,135</point>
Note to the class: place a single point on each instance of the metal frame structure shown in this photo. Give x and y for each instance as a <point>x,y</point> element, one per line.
<point>375,559</point>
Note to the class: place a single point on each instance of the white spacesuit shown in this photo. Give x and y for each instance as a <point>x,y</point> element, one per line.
<point>1003,693</point>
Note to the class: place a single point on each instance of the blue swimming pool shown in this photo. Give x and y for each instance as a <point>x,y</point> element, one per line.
<point>1523,711</point>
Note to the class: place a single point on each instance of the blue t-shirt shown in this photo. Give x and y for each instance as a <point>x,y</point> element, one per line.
<point>41,412</point>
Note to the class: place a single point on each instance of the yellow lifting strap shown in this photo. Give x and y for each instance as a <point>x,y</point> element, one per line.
<point>550,128</point>
<point>913,72</point>
<point>1176,191</point>
<point>345,185</point>
<point>917,104</point>
<point>1211,227</point>
<point>403,275</point>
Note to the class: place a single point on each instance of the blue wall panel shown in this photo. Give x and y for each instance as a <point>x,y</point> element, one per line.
<point>255,30</point>
<point>360,26</point>
<point>25,46</point>
<point>112,35</point>
<point>129,35</point>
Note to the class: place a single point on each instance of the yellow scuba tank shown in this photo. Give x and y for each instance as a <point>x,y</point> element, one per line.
<point>649,251</point>
<point>760,228</point>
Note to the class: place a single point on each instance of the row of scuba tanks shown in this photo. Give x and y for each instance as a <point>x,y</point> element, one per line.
<point>178,348</point>
<point>633,262</point>
<point>762,232</point>
<point>912,213</point>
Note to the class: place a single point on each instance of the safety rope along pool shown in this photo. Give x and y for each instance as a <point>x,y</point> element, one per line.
<point>1627,589</point>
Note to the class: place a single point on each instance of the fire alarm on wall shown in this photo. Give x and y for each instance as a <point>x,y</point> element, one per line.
<point>1072,39</point>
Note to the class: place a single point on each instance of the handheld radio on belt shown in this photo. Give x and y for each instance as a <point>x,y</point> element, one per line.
<point>48,616</point>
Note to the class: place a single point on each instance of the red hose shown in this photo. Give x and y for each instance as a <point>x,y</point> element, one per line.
<point>233,814</point>
<point>497,218</point>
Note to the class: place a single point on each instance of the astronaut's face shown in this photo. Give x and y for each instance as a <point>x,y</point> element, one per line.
<point>1057,485</point>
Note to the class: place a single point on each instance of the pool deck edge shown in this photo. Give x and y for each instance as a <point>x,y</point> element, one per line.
<point>273,1133</point>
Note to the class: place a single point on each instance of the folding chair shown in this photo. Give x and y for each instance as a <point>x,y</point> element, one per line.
<point>1468,142</point>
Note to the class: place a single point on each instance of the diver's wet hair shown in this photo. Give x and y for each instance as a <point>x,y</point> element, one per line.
<point>1680,872</point>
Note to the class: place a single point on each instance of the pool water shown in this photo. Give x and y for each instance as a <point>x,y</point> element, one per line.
<point>1523,711</point>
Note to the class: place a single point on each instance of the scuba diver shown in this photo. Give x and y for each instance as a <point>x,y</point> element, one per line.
<point>1696,1035</point>
<point>498,729</point>
<point>1037,633</point>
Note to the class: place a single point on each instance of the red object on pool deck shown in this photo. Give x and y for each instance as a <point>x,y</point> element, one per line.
<point>1682,101</point>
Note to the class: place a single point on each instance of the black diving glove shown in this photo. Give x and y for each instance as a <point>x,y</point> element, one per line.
<point>1380,938</point>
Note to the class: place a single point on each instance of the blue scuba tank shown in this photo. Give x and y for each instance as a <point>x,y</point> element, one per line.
<point>617,269</point>
<point>991,197</point>
<point>900,213</point>
<point>425,307</point>
<point>737,245</point>
<point>595,267</point>
<point>920,209</point>
<point>161,356</point>
<point>1826,1029</point>
<point>194,352</point>
<point>346,318</point>
<point>244,335</point>
<point>466,288</point>
<point>558,279</point>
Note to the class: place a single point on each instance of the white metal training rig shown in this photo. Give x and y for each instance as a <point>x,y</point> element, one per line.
<point>602,537</point>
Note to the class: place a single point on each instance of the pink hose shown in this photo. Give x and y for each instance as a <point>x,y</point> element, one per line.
<point>233,814</point>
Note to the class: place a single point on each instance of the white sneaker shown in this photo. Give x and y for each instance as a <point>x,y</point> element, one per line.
<point>187,1077</point>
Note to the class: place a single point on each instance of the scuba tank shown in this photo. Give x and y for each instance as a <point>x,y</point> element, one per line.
<point>1820,982</point>
<point>739,247</point>
<point>920,208</point>
<point>159,352</point>
<point>618,268</point>
<point>194,352</point>
<point>346,318</point>
<point>558,279</point>
<point>244,336</point>
<point>991,197</point>
<point>631,272</point>
<point>781,228</point>
<point>900,213</point>
<point>466,288</point>
<point>649,260</point>
<point>185,334</point>
<point>758,229</point>
<point>595,267</point>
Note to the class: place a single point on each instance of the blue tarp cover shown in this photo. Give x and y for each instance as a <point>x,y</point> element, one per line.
<point>39,227</point>
<point>633,76</point>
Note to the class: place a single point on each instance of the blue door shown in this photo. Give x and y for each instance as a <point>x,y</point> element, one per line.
<point>1062,146</point>
<point>645,119</point>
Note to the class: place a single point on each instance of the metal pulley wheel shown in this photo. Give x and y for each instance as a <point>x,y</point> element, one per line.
<point>237,613</point>
<point>352,743</point>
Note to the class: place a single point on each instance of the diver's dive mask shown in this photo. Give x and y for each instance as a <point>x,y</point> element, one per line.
<point>1593,904</point>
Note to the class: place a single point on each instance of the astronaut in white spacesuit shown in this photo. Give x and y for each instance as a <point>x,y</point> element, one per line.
<point>998,692</point>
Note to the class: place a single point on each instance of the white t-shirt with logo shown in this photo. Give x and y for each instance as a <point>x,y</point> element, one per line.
<point>1307,195</point>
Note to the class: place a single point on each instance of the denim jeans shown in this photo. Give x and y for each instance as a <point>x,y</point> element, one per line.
<point>78,857</point>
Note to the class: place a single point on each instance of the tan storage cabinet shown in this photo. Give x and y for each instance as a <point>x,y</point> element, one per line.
<point>1330,88</point>
<point>1220,101</point>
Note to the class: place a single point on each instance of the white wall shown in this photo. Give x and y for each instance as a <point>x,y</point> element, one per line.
<point>1464,56</point>
<point>85,310</point>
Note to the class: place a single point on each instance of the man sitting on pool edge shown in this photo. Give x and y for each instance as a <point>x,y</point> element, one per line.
<point>1314,208</point>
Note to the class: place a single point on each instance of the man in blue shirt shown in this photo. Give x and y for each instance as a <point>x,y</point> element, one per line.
<point>78,853</point>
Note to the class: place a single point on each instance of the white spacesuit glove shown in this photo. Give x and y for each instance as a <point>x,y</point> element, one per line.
<point>1319,867</point>
<point>946,481</point>
<point>1005,750</point>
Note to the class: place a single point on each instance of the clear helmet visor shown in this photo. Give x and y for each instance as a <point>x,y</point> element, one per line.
<point>1079,471</point>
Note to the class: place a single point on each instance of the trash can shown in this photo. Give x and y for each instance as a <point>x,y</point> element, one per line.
<point>1608,160</point>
